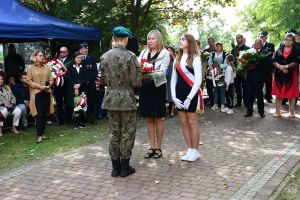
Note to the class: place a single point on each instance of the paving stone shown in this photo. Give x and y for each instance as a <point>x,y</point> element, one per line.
<point>240,158</point>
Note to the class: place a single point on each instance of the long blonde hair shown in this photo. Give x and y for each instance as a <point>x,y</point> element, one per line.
<point>192,50</point>
<point>159,38</point>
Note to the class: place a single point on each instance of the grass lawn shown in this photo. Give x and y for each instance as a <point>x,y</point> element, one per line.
<point>18,149</point>
<point>292,189</point>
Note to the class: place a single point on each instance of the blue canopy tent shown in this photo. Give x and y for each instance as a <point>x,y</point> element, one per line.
<point>20,22</point>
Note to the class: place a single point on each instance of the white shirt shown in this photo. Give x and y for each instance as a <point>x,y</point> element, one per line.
<point>229,76</point>
<point>77,68</point>
<point>197,66</point>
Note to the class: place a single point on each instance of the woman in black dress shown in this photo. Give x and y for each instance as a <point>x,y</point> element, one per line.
<point>152,100</point>
<point>186,93</point>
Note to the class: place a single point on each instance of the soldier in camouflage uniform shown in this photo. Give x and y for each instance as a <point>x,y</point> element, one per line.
<point>119,70</point>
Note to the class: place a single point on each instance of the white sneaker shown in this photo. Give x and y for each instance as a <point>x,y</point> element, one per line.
<point>229,111</point>
<point>215,107</point>
<point>187,155</point>
<point>195,155</point>
<point>224,110</point>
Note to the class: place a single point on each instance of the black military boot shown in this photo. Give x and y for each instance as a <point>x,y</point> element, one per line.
<point>116,168</point>
<point>126,169</point>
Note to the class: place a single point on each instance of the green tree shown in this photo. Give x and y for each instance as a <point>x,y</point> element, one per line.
<point>139,15</point>
<point>274,16</point>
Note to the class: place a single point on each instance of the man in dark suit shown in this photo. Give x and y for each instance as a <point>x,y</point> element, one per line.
<point>89,62</point>
<point>239,81</point>
<point>255,77</point>
<point>268,47</point>
<point>60,91</point>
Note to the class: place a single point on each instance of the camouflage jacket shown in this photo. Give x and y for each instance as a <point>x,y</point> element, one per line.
<point>121,75</point>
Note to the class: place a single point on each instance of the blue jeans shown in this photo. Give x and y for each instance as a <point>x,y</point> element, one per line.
<point>219,93</point>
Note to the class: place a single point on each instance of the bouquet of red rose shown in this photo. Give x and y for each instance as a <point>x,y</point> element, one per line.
<point>248,59</point>
<point>58,70</point>
<point>146,66</point>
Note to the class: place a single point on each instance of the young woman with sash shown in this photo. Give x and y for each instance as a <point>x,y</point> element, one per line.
<point>186,93</point>
<point>152,98</point>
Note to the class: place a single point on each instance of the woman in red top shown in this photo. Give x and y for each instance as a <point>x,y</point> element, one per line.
<point>285,84</point>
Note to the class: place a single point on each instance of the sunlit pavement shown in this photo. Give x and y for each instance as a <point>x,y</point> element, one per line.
<point>240,159</point>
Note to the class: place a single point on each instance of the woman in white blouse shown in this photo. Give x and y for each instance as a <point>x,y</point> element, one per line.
<point>186,93</point>
<point>152,97</point>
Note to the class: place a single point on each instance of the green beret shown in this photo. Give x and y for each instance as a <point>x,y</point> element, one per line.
<point>121,31</point>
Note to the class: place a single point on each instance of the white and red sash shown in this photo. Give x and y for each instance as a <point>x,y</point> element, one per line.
<point>189,78</point>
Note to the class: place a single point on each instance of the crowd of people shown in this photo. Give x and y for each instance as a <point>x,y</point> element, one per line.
<point>178,79</point>
<point>31,91</point>
<point>174,79</point>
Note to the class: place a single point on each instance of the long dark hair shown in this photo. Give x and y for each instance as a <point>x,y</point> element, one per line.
<point>192,50</point>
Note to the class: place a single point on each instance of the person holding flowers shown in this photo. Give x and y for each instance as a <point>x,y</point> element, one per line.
<point>217,74</point>
<point>285,83</point>
<point>154,61</point>
<point>77,79</point>
<point>255,73</point>
<point>186,93</point>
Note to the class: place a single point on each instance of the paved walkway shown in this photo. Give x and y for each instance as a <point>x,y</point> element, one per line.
<point>241,159</point>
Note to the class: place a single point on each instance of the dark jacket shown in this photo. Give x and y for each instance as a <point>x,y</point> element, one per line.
<point>21,93</point>
<point>14,65</point>
<point>90,64</point>
<point>280,77</point>
<point>258,74</point>
<point>269,47</point>
<point>67,61</point>
<point>74,78</point>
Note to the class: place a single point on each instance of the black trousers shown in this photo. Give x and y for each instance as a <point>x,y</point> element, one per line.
<point>210,91</point>
<point>42,104</point>
<point>268,83</point>
<point>79,119</point>
<point>61,103</point>
<point>229,95</point>
<point>91,103</point>
<point>255,91</point>
<point>240,89</point>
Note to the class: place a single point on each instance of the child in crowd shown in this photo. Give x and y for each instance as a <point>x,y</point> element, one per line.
<point>217,74</point>
<point>80,108</point>
<point>229,83</point>
<point>218,77</point>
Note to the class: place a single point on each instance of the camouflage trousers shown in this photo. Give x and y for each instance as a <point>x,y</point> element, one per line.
<point>122,128</point>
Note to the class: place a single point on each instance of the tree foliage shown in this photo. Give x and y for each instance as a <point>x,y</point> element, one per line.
<point>140,16</point>
<point>274,16</point>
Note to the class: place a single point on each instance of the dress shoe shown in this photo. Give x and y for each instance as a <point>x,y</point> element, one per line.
<point>261,115</point>
<point>269,101</point>
<point>248,115</point>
